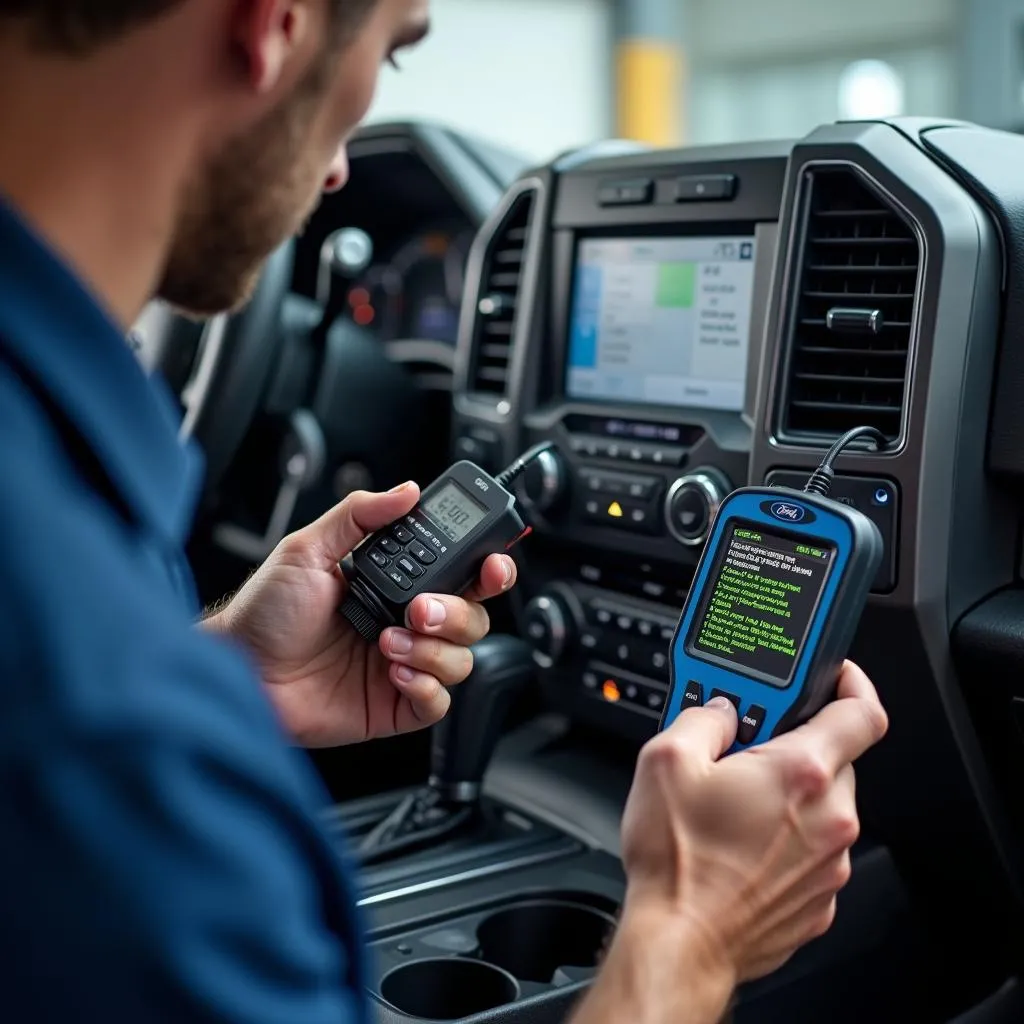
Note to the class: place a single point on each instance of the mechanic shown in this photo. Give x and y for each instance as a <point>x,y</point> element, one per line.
<point>161,855</point>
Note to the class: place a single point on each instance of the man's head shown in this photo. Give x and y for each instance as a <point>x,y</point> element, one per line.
<point>283,85</point>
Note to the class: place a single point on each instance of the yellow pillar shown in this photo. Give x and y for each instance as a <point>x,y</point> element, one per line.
<point>651,72</point>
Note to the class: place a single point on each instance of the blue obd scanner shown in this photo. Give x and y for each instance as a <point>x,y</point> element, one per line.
<point>775,603</point>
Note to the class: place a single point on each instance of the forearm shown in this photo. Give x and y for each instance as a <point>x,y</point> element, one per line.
<point>657,972</point>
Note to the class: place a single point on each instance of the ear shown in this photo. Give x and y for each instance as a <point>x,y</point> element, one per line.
<point>270,35</point>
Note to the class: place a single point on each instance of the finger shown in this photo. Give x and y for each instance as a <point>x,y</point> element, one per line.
<point>450,618</point>
<point>706,732</point>
<point>498,575</point>
<point>845,728</point>
<point>337,532</point>
<point>450,663</point>
<point>424,700</point>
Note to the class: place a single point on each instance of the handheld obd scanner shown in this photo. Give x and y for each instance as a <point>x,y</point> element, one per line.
<point>775,603</point>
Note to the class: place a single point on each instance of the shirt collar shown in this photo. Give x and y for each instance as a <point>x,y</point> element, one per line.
<point>60,335</point>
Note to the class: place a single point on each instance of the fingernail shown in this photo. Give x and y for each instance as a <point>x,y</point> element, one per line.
<point>721,703</point>
<point>436,613</point>
<point>507,566</point>
<point>404,674</point>
<point>401,487</point>
<point>401,643</point>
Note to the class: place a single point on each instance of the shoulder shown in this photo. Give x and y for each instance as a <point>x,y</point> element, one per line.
<point>91,630</point>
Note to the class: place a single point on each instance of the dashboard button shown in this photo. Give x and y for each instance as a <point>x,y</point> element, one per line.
<point>645,627</point>
<point>693,697</point>
<point>668,633</point>
<point>702,188</point>
<point>655,700</point>
<point>750,724</point>
<point>602,616</point>
<point>625,623</point>
<point>667,456</point>
<point>635,192</point>
<point>590,680</point>
<point>659,663</point>
<point>389,546</point>
<point>401,534</point>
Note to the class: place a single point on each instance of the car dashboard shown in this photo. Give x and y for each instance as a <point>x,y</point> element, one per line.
<point>681,323</point>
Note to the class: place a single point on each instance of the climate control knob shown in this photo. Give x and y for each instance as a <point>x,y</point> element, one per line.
<point>693,502</point>
<point>547,626</point>
<point>544,482</point>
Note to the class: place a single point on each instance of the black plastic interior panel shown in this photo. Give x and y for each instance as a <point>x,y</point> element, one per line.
<point>877,497</point>
<point>989,164</point>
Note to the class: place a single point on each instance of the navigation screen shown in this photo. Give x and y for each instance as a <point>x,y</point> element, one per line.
<point>454,511</point>
<point>762,594</point>
<point>662,320</point>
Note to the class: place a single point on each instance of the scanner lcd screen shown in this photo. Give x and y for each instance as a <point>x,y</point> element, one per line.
<point>760,598</point>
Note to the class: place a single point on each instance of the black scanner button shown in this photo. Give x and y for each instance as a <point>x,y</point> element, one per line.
<point>380,559</point>
<point>421,554</point>
<point>400,579</point>
<point>389,546</point>
<point>750,724</point>
<point>401,534</point>
<point>693,697</point>
<point>728,696</point>
<point>409,567</point>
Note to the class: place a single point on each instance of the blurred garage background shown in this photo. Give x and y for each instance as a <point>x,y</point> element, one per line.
<point>546,75</point>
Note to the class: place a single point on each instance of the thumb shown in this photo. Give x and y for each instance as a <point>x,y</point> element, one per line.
<point>708,731</point>
<point>337,532</point>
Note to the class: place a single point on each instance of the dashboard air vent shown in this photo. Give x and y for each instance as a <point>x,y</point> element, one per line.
<point>501,281</point>
<point>851,332</point>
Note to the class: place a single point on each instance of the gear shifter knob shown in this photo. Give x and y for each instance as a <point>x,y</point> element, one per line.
<point>463,742</point>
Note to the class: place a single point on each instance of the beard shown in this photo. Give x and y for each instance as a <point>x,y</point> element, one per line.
<point>256,192</point>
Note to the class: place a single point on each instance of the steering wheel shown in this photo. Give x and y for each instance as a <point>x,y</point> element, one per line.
<point>234,354</point>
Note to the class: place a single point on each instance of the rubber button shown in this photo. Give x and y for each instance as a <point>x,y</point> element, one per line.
<point>728,696</point>
<point>400,579</point>
<point>750,724</point>
<point>390,546</point>
<point>694,695</point>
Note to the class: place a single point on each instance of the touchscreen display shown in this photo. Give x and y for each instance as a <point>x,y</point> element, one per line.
<point>453,511</point>
<point>662,320</point>
<point>762,593</point>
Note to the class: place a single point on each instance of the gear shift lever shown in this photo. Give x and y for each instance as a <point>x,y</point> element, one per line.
<point>461,749</point>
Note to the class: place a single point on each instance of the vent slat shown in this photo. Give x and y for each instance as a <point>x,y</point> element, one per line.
<point>500,283</point>
<point>858,253</point>
<point>835,378</point>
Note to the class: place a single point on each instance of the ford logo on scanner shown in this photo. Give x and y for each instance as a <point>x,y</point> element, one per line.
<point>788,512</point>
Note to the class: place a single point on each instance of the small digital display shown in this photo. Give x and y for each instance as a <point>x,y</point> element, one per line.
<point>453,511</point>
<point>761,595</point>
<point>662,320</point>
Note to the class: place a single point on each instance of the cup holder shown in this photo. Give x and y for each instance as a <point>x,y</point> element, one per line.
<point>533,940</point>
<point>448,989</point>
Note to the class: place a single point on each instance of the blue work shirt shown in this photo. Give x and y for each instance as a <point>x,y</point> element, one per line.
<point>160,852</point>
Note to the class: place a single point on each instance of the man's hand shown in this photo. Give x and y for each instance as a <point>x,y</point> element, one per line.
<point>733,863</point>
<point>329,685</point>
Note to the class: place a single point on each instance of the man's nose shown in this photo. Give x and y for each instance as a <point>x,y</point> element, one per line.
<point>337,176</point>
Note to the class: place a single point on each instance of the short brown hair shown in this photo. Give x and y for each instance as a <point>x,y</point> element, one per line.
<point>78,26</point>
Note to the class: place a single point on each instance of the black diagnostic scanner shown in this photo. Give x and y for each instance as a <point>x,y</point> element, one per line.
<point>439,548</point>
<point>775,603</point>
